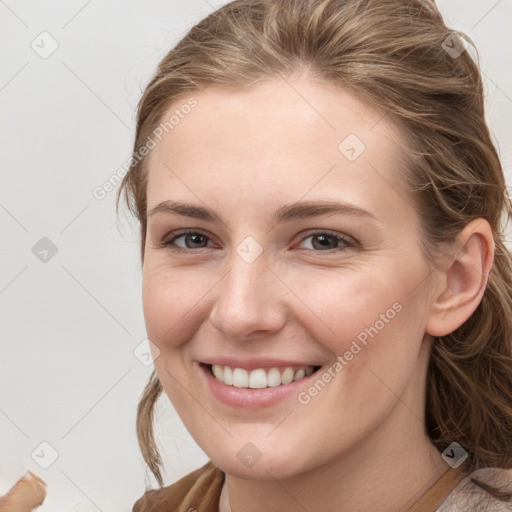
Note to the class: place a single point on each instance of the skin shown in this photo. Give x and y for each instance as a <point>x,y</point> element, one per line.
<point>360,444</point>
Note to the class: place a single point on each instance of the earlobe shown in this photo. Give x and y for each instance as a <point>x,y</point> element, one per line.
<point>463,281</point>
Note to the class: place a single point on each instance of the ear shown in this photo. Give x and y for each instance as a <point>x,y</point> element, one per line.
<point>462,280</point>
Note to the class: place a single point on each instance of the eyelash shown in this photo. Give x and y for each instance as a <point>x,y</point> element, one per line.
<point>349,242</point>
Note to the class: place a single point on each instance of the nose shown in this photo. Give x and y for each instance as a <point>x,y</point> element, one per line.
<point>249,300</point>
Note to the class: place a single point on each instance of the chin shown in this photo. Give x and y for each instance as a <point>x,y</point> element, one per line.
<point>258,460</point>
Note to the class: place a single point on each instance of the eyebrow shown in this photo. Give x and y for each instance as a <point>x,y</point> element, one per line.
<point>298,210</point>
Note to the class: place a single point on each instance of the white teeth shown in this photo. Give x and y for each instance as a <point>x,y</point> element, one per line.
<point>240,378</point>
<point>218,371</point>
<point>259,378</point>
<point>287,376</point>
<point>299,374</point>
<point>273,378</point>
<point>228,375</point>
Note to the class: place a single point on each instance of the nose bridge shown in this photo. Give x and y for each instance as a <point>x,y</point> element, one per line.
<point>247,297</point>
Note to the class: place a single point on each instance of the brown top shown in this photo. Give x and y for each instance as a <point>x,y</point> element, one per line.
<point>200,491</point>
<point>435,496</point>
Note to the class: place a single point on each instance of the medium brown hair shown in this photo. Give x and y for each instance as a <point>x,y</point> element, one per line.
<point>393,54</point>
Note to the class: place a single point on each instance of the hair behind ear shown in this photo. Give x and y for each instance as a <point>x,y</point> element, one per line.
<point>469,397</point>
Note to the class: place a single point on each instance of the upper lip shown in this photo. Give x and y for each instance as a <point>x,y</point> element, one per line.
<point>255,363</point>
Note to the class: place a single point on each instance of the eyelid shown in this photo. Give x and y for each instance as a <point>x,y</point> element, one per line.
<point>173,235</point>
<point>349,241</point>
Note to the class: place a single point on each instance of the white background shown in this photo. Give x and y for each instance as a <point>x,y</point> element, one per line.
<point>69,326</point>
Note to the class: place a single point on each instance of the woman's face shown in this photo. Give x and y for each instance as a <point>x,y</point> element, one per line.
<point>303,253</point>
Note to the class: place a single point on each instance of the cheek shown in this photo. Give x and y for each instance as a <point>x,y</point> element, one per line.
<point>372,324</point>
<point>357,306</point>
<point>171,302</point>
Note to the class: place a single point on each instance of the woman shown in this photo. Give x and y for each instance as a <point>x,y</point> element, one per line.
<point>325,281</point>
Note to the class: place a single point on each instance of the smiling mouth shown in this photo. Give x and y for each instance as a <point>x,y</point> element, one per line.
<point>261,377</point>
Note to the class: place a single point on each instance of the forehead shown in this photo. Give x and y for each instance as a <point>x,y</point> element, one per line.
<point>281,136</point>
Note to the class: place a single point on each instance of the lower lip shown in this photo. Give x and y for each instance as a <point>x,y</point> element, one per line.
<point>253,398</point>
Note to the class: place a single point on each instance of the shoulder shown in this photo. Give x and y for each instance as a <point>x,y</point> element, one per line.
<point>199,491</point>
<point>468,496</point>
